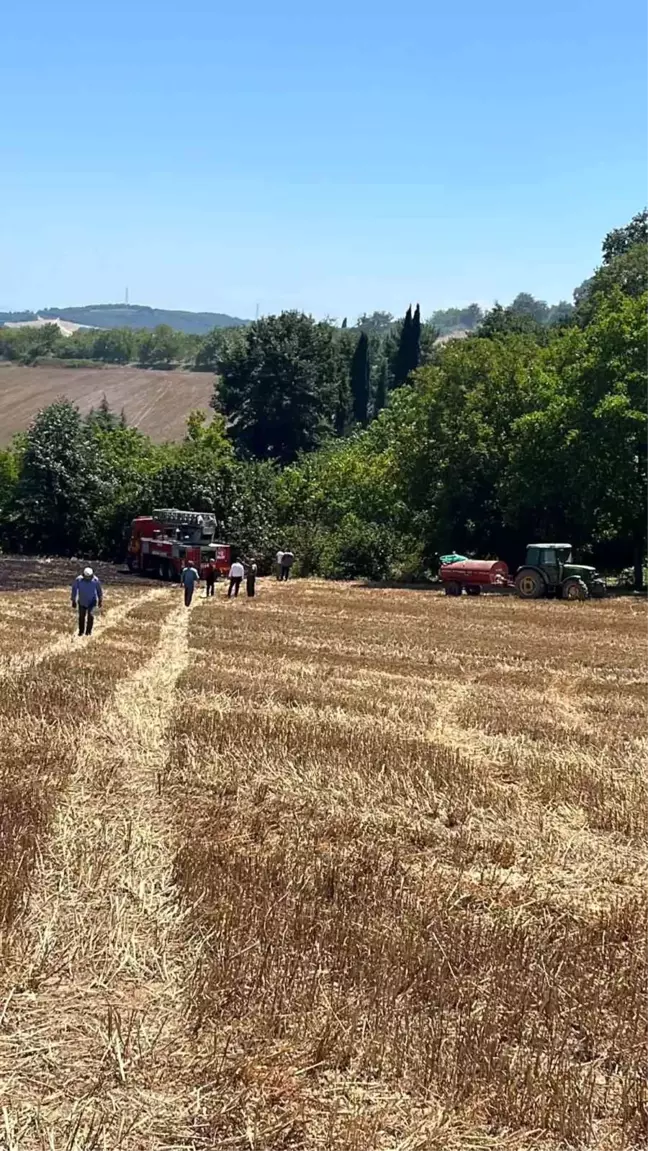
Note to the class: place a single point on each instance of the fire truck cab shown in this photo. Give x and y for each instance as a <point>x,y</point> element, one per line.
<point>160,543</point>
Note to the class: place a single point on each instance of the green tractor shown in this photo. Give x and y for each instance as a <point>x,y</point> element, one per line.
<point>548,570</point>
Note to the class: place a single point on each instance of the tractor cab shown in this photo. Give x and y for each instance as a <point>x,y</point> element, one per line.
<point>550,558</point>
<point>549,570</point>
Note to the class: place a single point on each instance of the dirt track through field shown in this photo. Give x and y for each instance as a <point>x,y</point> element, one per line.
<point>111,617</point>
<point>93,1039</point>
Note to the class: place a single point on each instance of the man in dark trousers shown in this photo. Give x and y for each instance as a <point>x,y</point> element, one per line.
<point>236,573</point>
<point>88,594</point>
<point>287,561</point>
<point>189,579</point>
<point>250,579</point>
<point>210,578</point>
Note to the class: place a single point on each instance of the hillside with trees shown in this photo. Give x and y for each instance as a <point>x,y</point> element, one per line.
<point>131,316</point>
<point>370,450</point>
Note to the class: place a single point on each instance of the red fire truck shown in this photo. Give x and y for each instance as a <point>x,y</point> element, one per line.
<point>159,544</point>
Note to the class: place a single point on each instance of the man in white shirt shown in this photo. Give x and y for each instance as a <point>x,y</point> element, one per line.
<point>236,573</point>
<point>279,559</point>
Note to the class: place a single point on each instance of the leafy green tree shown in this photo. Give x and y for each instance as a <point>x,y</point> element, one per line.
<point>211,349</point>
<point>278,385</point>
<point>378,323</point>
<point>116,346</point>
<point>501,321</point>
<point>61,482</point>
<point>453,319</point>
<point>621,240</point>
<point>628,272</point>
<point>525,304</point>
<point>360,380</point>
<point>610,382</point>
<point>103,417</point>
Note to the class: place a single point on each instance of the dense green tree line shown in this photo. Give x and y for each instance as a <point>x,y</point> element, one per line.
<point>370,450</point>
<point>163,347</point>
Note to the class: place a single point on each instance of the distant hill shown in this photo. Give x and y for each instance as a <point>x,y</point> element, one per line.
<point>129,316</point>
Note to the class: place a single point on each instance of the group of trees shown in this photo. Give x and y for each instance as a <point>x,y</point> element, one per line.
<point>371,450</point>
<point>161,347</point>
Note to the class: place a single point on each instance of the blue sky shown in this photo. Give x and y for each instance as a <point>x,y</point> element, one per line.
<point>331,157</point>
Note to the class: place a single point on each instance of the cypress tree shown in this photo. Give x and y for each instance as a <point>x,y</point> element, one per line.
<point>402,360</point>
<point>415,340</point>
<point>360,380</point>
<point>382,386</point>
<point>344,322</point>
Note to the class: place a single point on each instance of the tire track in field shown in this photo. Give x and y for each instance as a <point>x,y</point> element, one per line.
<point>111,617</point>
<point>94,1050</point>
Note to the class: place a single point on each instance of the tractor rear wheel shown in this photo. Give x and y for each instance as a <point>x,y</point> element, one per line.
<point>453,588</point>
<point>574,589</point>
<point>529,584</point>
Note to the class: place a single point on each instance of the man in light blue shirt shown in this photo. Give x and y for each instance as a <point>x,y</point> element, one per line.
<point>189,579</point>
<point>88,594</point>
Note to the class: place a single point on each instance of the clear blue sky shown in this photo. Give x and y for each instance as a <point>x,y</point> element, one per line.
<point>332,157</point>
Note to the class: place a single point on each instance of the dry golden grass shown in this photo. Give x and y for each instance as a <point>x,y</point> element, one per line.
<point>333,869</point>
<point>412,836</point>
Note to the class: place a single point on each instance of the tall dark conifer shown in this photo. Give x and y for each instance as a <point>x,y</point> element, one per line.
<point>360,380</point>
<point>382,387</point>
<point>415,340</point>
<point>402,360</point>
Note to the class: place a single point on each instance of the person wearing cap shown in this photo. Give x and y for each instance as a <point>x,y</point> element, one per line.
<point>87,593</point>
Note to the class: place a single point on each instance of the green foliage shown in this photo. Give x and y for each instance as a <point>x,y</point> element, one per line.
<point>455,319</point>
<point>534,425</point>
<point>278,386</point>
<point>134,316</point>
<point>378,323</point>
<point>360,380</point>
<point>621,240</point>
<point>628,272</point>
<point>382,386</point>
<point>357,548</point>
<point>61,481</point>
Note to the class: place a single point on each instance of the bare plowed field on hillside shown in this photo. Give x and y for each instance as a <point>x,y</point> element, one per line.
<point>334,869</point>
<point>157,403</point>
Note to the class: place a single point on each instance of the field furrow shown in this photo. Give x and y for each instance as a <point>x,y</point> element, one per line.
<point>92,991</point>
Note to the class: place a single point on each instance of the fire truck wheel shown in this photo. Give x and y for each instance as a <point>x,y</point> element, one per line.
<point>165,572</point>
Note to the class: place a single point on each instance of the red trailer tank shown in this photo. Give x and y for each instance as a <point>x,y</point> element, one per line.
<point>473,575</point>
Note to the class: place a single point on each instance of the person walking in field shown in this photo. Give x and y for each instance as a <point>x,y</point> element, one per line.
<point>287,561</point>
<point>279,559</point>
<point>236,573</point>
<point>88,594</point>
<point>250,578</point>
<point>189,578</point>
<point>210,579</point>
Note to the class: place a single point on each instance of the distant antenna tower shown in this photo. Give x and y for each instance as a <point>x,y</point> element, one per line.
<point>126,297</point>
<point>257,312</point>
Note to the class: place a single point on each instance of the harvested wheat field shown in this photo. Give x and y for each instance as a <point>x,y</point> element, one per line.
<point>336,868</point>
<point>156,402</point>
